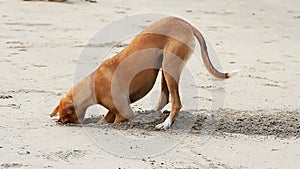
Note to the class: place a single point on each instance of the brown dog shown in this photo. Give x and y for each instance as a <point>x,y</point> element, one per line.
<point>128,76</point>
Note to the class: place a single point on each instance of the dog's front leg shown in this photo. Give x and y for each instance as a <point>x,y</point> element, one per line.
<point>124,111</point>
<point>108,118</point>
<point>121,108</point>
<point>120,118</point>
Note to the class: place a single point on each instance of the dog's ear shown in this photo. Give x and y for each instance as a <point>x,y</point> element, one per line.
<point>55,111</point>
<point>70,109</point>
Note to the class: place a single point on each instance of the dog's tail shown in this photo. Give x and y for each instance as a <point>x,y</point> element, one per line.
<point>211,69</point>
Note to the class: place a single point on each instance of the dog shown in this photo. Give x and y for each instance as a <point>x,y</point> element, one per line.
<point>128,76</point>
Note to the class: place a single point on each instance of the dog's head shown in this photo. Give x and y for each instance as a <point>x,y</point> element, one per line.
<point>66,111</point>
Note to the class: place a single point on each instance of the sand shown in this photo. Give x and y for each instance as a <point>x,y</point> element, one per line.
<point>251,121</point>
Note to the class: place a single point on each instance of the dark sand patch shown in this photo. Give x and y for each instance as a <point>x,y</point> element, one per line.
<point>283,124</point>
<point>264,122</point>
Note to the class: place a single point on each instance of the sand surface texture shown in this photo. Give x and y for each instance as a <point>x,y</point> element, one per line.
<point>256,126</point>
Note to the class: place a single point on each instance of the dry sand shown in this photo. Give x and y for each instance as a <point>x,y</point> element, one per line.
<point>258,126</point>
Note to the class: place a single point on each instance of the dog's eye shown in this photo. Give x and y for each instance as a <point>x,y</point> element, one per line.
<point>68,111</point>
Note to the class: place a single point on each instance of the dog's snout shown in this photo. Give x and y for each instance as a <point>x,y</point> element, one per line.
<point>59,121</point>
<point>63,121</point>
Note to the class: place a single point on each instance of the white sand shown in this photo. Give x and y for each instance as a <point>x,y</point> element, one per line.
<point>41,42</point>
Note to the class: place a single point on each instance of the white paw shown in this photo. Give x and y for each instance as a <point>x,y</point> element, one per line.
<point>165,125</point>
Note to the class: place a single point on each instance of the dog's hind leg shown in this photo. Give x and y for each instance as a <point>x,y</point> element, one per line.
<point>175,100</point>
<point>164,94</point>
<point>172,67</point>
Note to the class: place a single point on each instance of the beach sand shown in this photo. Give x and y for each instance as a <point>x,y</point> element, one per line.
<point>258,125</point>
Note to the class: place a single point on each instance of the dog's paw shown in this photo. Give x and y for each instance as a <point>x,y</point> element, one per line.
<point>165,125</point>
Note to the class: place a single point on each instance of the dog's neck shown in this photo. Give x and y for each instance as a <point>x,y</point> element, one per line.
<point>84,95</point>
